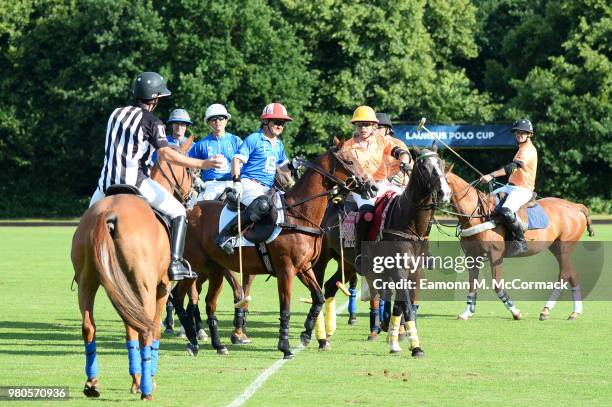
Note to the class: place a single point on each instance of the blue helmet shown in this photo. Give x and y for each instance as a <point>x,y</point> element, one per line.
<point>179,116</point>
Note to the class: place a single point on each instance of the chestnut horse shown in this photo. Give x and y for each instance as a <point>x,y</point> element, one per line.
<point>567,223</point>
<point>293,252</point>
<point>191,322</point>
<point>121,245</point>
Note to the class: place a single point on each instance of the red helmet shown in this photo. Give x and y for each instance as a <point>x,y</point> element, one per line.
<point>275,111</point>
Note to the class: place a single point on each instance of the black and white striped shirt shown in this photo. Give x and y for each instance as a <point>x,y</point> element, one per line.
<point>132,134</point>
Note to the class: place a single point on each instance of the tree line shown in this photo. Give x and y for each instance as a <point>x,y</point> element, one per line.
<point>65,65</point>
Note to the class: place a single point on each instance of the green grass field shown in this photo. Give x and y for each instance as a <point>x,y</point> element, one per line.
<point>488,360</point>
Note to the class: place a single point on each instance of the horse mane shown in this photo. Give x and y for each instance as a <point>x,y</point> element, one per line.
<point>481,197</point>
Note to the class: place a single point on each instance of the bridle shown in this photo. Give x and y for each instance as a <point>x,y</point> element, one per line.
<point>178,192</point>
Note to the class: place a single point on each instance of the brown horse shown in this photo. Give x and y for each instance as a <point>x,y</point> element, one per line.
<point>191,322</point>
<point>293,252</point>
<point>121,245</point>
<point>567,223</point>
<point>407,225</point>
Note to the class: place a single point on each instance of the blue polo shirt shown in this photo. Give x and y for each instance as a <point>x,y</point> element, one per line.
<point>260,158</point>
<point>227,145</point>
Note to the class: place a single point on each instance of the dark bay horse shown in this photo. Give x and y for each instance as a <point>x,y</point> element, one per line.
<point>567,223</point>
<point>121,245</point>
<point>407,225</point>
<point>293,252</point>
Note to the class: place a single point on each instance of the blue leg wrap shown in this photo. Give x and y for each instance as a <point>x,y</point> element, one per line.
<point>133,356</point>
<point>352,304</point>
<point>381,310</point>
<point>91,360</point>
<point>154,356</point>
<point>146,383</point>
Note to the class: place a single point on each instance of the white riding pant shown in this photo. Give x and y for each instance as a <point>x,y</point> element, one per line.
<point>251,190</point>
<point>517,196</point>
<point>213,190</point>
<point>383,186</point>
<point>156,196</point>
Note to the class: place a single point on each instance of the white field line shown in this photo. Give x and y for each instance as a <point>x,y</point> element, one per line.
<point>265,375</point>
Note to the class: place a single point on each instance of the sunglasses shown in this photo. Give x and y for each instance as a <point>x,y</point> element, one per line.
<point>278,122</point>
<point>217,118</point>
<point>364,124</point>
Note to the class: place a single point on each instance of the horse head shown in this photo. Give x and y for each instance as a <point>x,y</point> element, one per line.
<point>428,173</point>
<point>353,176</point>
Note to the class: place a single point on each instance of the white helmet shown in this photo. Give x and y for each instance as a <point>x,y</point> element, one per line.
<point>217,109</point>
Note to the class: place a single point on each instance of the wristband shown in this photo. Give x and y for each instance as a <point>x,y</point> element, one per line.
<point>236,178</point>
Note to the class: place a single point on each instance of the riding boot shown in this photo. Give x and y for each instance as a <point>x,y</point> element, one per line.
<point>362,229</point>
<point>517,245</point>
<point>179,269</point>
<point>226,239</point>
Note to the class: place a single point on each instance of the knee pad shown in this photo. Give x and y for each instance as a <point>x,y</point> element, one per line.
<point>259,208</point>
<point>366,212</point>
<point>507,215</point>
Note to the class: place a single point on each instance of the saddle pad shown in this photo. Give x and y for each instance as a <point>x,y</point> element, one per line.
<point>227,215</point>
<point>537,217</point>
<point>380,213</point>
<point>347,229</point>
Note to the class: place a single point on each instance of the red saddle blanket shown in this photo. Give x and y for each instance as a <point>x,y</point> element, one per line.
<point>380,213</point>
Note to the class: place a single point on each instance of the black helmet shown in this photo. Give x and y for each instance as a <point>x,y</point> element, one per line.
<point>522,125</point>
<point>384,120</point>
<point>149,85</point>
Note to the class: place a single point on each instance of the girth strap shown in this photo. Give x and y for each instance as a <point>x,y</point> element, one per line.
<point>304,229</point>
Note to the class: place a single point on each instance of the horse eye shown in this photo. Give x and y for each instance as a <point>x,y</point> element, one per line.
<point>349,162</point>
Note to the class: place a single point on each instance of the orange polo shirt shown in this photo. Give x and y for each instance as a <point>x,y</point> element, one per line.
<point>373,158</point>
<point>525,176</point>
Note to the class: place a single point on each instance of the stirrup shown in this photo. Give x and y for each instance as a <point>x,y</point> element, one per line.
<point>184,270</point>
<point>227,245</point>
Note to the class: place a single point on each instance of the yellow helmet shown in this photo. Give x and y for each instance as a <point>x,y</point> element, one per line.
<point>364,114</point>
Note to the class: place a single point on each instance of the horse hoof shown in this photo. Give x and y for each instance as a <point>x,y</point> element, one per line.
<point>373,336</point>
<point>202,336</point>
<point>573,316</point>
<point>91,388</point>
<point>517,317</point>
<point>169,331</point>
<point>222,351</point>
<point>192,350</point>
<point>324,345</point>
<point>395,351</point>
<point>287,354</point>
<point>135,389</point>
<point>147,397</point>
<point>544,317</point>
<point>418,353</point>
<point>240,339</point>
<point>305,339</point>
<point>352,320</point>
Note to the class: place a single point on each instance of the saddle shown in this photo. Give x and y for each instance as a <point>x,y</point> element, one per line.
<point>262,228</point>
<point>119,189</point>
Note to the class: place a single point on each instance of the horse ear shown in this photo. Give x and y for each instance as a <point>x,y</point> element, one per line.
<point>337,142</point>
<point>416,150</point>
<point>187,144</point>
<point>434,146</point>
<point>450,168</point>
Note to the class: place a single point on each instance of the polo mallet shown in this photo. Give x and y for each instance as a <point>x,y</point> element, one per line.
<point>244,299</point>
<point>340,284</point>
<point>421,126</point>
